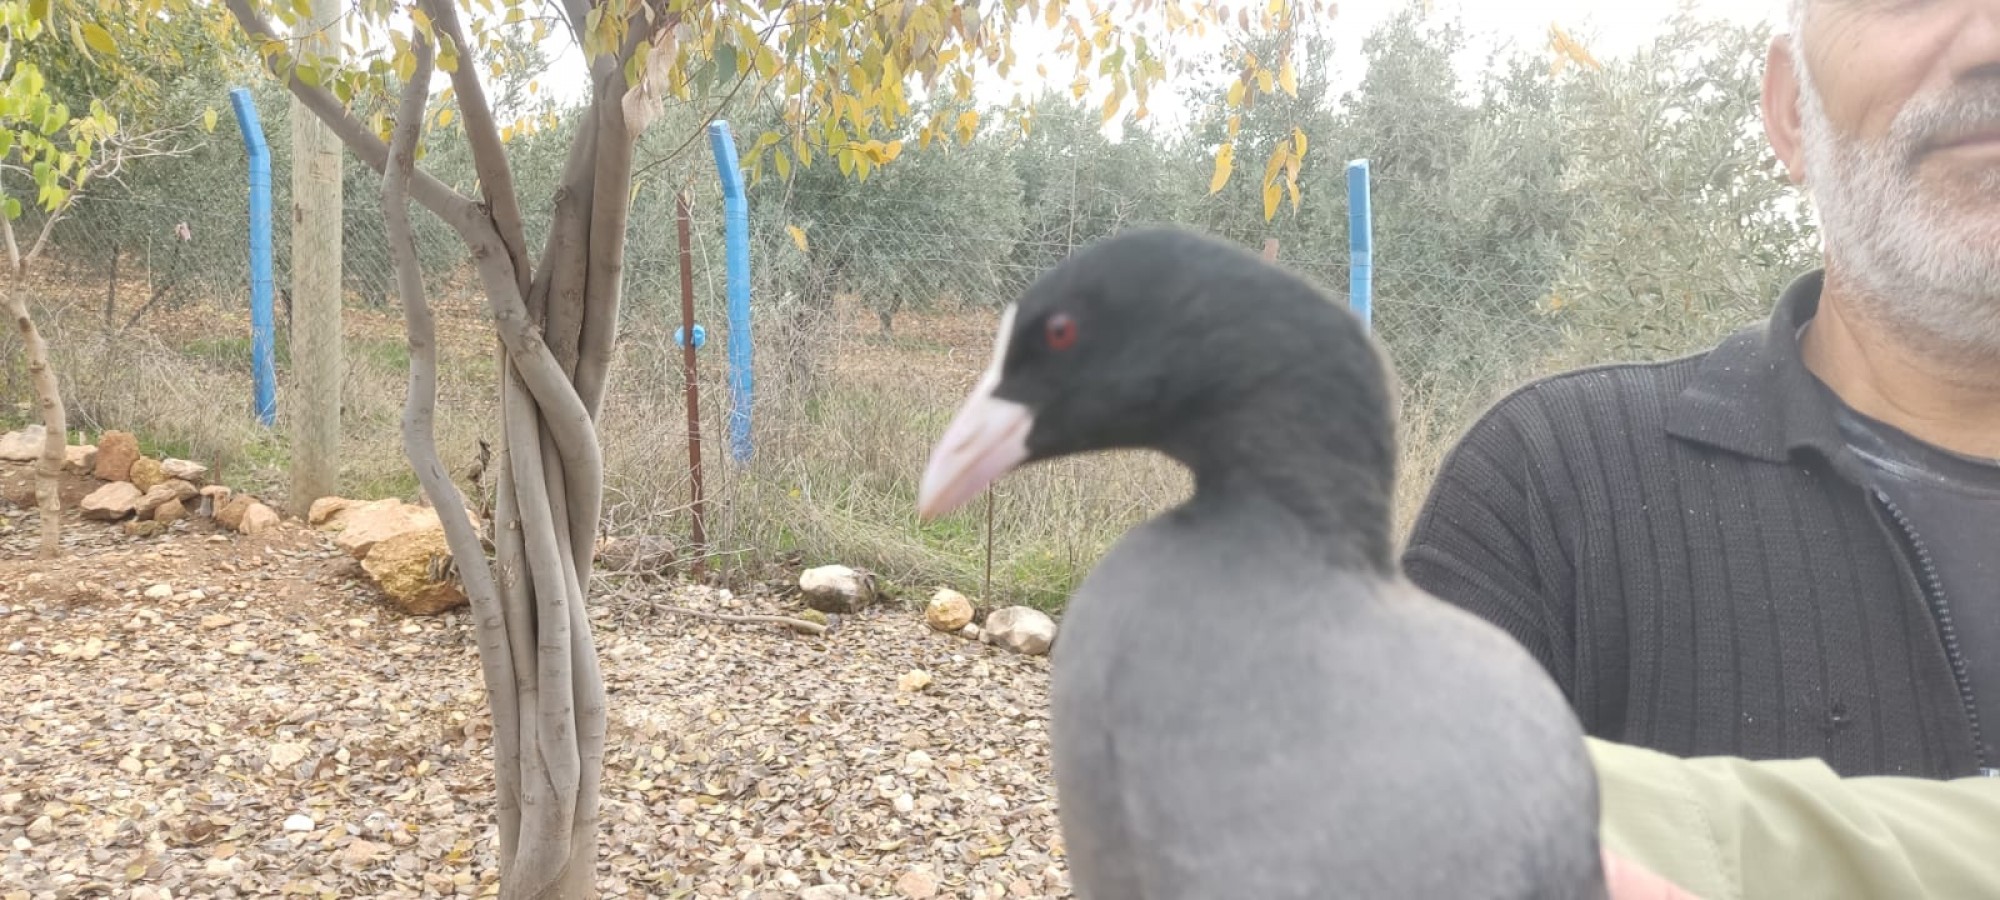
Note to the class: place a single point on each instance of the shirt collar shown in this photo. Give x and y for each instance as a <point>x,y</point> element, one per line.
<point>1753,394</point>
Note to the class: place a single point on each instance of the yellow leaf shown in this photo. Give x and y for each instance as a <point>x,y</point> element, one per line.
<point>1271,195</point>
<point>99,39</point>
<point>1236,93</point>
<point>1225,160</point>
<point>1275,164</point>
<point>1567,48</point>
<point>1288,79</point>
<point>798,235</point>
<point>1264,80</point>
<point>444,117</point>
<point>893,150</point>
<point>1299,143</point>
<point>1235,124</point>
<point>968,126</point>
<point>782,161</point>
<point>208,117</point>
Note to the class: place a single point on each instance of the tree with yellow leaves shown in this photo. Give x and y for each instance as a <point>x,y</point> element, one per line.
<point>846,75</point>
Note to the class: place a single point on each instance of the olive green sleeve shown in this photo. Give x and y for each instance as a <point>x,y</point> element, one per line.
<point>1732,829</point>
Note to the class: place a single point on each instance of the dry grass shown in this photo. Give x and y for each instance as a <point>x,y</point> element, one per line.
<point>844,419</point>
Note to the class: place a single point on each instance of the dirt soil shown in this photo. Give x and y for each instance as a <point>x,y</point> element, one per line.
<point>204,714</point>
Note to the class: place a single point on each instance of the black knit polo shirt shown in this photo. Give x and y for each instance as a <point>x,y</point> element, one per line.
<point>1691,548</point>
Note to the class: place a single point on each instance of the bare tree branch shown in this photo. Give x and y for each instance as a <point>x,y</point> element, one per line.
<point>435,195</point>
<point>420,445</point>
<point>489,157</point>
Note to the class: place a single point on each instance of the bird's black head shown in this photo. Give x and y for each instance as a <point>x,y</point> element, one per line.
<point>1170,340</point>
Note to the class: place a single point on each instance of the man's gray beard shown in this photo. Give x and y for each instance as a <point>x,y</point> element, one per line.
<point>1927,269</point>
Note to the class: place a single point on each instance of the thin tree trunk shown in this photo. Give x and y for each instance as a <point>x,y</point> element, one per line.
<point>48,395</point>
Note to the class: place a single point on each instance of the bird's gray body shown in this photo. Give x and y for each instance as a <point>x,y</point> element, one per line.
<point>1235,718</point>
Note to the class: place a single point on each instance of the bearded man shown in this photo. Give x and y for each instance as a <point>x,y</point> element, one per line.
<point>1767,575</point>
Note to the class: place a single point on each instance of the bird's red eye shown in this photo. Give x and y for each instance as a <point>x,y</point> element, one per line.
<point>1060,331</point>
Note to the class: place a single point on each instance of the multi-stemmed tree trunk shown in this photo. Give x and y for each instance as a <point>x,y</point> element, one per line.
<point>555,316</point>
<point>839,65</point>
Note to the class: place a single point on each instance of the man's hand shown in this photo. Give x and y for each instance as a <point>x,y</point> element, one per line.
<point>1630,881</point>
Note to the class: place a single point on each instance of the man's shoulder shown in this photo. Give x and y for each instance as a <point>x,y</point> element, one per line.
<point>1625,394</point>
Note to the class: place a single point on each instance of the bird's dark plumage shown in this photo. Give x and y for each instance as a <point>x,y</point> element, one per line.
<point>1248,698</point>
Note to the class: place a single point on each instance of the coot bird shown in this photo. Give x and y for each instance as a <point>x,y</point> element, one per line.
<point>1248,699</point>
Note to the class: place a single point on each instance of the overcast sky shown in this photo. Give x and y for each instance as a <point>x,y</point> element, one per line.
<point>1605,27</point>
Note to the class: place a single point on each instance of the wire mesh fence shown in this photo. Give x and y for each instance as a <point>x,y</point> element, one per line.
<point>873,311</point>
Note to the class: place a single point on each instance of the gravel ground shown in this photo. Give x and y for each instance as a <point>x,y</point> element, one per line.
<point>211,715</point>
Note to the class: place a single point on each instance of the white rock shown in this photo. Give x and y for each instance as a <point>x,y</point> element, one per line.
<point>299,822</point>
<point>816,892</point>
<point>17,648</point>
<point>837,589</point>
<point>22,446</point>
<point>111,502</point>
<point>160,592</point>
<point>191,472</point>
<point>1021,629</point>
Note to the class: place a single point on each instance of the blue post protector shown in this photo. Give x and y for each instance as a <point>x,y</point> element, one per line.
<point>700,337</point>
<point>1360,243</point>
<point>263,339</point>
<point>736,241</point>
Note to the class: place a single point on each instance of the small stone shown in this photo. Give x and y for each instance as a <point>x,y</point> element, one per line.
<point>816,892</point>
<point>170,512</point>
<point>917,884</point>
<point>917,760</point>
<point>24,845</point>
<point>299,822</point>
<point>753,857</point>
<point>145,473</point>
<point>24,445</point>
<point>258,519</point>
<point>80,460</point>
<point>144,529</point>
<point>17,648</point>
<point>972,632</point>
<point>948,610</point>
<point>191,472</point>
<point>905,804</point>
<point>111,502</point>
<point>325,508</point>
<point>230,515</point>
<point>116,452</point>
<point>837,589</point>
<point>913,681</point>
<point>160,592</point>
<point>42,828</point>
<point>1022,629</point>
<point>155,496</point>
<point>411,571</point>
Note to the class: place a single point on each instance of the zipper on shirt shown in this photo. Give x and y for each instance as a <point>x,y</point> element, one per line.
<point>1933,589</point>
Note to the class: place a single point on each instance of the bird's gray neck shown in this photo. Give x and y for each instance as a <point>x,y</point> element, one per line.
<point>1326,477</point>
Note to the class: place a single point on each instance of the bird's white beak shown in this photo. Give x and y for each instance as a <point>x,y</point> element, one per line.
<point>986,438</point>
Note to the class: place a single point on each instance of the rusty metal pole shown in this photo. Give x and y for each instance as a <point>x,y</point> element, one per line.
<point>682,225</point>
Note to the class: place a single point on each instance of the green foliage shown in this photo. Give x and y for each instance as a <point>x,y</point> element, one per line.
<point>1691,226</point>
<point>64,66</point>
